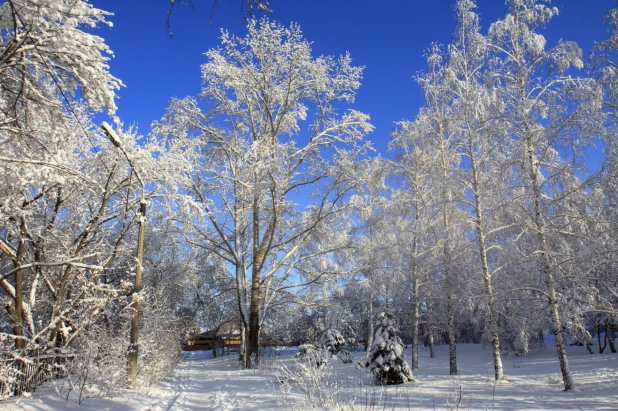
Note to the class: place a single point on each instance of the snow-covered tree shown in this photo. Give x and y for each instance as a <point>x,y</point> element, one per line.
<point>270,122</point>
<point>386,358</point>
<point>434,124</point>
<point>70,194</point>
<point>46,58</point>
<point>371,230</point>
<point>332,340</point>
<point>484,145</point>
<point>604,62</point>
<point>414,204</point>
<point>551,114</point>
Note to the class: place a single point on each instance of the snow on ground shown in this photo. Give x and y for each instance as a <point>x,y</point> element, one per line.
<point>533,383</point>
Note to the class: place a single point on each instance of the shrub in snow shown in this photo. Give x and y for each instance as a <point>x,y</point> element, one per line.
<point>159,340</point>
<point>97,367</point>
<point>386,359</point>
<point>320,386</point>
<point>99,354</point>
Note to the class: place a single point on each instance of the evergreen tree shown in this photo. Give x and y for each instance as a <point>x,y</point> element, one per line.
<point>332,340</point>
<point>386,359</point>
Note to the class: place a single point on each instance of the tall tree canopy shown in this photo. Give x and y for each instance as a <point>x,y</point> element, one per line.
<point>265,128</point>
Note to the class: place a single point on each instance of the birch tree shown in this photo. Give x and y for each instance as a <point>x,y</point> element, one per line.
<point>369,202</point>
<point>604,64</point>
<point>545,108</point>
<point>434,124</point>
<point>483,144</point>
<point>415,201</point>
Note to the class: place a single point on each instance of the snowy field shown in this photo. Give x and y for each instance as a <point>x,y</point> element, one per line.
<point>533,383</point>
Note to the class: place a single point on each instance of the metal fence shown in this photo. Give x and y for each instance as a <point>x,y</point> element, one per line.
<point>27,372</point>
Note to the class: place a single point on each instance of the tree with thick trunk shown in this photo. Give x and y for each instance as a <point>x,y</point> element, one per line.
<point>270,123</point>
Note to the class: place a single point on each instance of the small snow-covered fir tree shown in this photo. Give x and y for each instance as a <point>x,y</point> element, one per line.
<point>305,349</point>
<point>312,354</point>
<point>386,359</point>
<point>332,340</point>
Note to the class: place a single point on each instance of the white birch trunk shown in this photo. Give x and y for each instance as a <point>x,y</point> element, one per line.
<point>546,265</point>
<point>487,276</point>
<point>432,347</point>
<point>415,312</point>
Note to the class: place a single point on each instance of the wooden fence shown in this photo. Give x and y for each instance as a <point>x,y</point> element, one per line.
<point>29,371</point>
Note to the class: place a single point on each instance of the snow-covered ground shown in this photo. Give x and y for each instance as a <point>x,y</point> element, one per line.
<point>533,383</point>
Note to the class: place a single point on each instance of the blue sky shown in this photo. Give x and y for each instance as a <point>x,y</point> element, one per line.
<point>387,37</point>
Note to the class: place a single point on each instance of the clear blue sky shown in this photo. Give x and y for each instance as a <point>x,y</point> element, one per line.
<point>386,36</point>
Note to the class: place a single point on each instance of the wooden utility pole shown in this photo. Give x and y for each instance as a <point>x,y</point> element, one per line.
<point>133,346</point>
<point>132,353</point>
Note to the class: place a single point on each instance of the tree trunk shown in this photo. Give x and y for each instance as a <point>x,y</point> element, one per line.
<point>450,314</point>
<point>480,234</point>
<point>252,357</point>
<point>609,332</point>
<point>242,353</point>
<point>452,351</point>
<point>18,328</point>
<point>415,322</point>
<point>241,279</point>
<point>253,331</point>
<point>546,269</point>
<point>601,347</point>
<point>133,346</point>
<point>370,321</point>
<point>587,345</point>
<point>555,320</point>
<point>432,348</point>
<point>450,304</point>
<point>493,329</point>
<point>415,294</point>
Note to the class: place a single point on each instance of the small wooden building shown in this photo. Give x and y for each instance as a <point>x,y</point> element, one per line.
<point>226,336</point>
<point>202,341</point>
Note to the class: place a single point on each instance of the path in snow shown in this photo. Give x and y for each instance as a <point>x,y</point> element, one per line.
<point>533,383</point>
<point>215,384</point>
<point>197,384</point>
